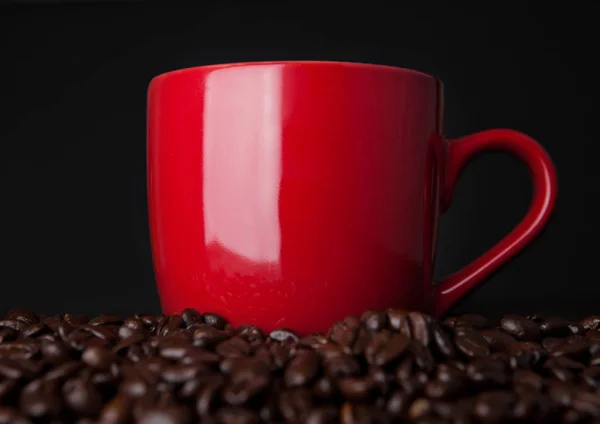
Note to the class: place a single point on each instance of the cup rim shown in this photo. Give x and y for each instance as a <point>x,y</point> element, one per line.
<point>341,64</point>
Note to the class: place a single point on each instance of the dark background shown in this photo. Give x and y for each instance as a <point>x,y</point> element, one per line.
<point>73,81</point>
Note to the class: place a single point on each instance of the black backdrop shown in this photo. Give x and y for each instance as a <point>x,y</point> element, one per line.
<point>73,80</point>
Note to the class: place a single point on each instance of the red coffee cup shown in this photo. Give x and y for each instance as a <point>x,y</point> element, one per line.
<point>293,194</point>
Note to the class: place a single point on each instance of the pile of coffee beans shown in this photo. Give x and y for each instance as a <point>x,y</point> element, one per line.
<point>383,367</point>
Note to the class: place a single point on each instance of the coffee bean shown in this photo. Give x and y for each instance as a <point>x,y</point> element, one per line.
<point>34,329</point>
<point>472,344</point>
<point>471,320</point>
<point>555,327</point>
<point>294,404</point>
<point>116,411</point>
<point>180,373</point>
<point>97,357</point>
<point>356,388</point>
<point>442,340</point>
<point>419,327</point>
<point>571,346</point>
<point>423,358</point>
<point>302,369</point>
<point>237,416</point>
<point>250,333</point>
<point>398,321</point>
<point>41,400</point>
<point>498,341</point>
<point>324,388</point>
<point>13,324</point>
<point>283,335</point>
<point>344,333</point>
<point>82,397</point>
<point>591,376</point>
<point>208,396</point>
<point>214,320</point>
<point>587,403</point>
<point>526,354</point>
<point>7,334</point>
<point>591,323</point>
<point>527,379</point>
<point>386,347</point>
<point>494,405</point>
<point>240,393</point>
<point>341,366</point>
<point>520,327</point>
<point>313,341</point>
<point>323,415</point>
<point>384,366</point>
<point>488,372</point>
<point>374,320</point>
<point>397,404</point>
<point>164,415</point>
<point>104,319</point>
<point>234,347</point>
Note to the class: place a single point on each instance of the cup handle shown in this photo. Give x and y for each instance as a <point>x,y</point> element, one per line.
<point>545,186</point>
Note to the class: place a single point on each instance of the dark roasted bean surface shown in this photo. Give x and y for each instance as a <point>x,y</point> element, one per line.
<point>382,367</point>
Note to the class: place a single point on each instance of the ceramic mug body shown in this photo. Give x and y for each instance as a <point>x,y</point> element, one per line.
<point>292,194</point>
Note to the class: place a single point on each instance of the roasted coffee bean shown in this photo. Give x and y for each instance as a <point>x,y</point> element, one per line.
<point>471,343</point>
<point>344,333</point>
<point>357,388</point>
<point>420,327</point>
<point>214,320</point>
<point>82,397</point>
<point>386,347</point>
<point>498,341</point>
<point>398,321</point>
<point>97,357</point>
<point>240,393</point>
<point>116,411</point>
<point>471,320</point>
<point>208,395</point>
<point>323,415</point>
<point>7,388</point>
<point>10,415</point>
<point>237,416</point>
<point>526,354</point>
<point>342,366</point>
<point>41,400</point>
<point>571,346</point>
<point>555,327</point>
<point>282,335</point>
<point>235,347</point>
<point>250,333</point>
<point>488,372</point>
<point>587,403</point>
<point>324,388</point>
<point>398,403</point>
<point>591,323</point>
<point>7,334</point>
<point>386,366</point>
<point>313,341</point>
<point>191,316</point>
<point>525,379</point>
<point>164,415</point>
<point>103,319</point>
<point>442,340</point>
<point>302,369</point>
<point>374,320</point>
<point>494,405</point>
<point>180,373</point>
<point>295,404</point>
<point>520,327</point>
